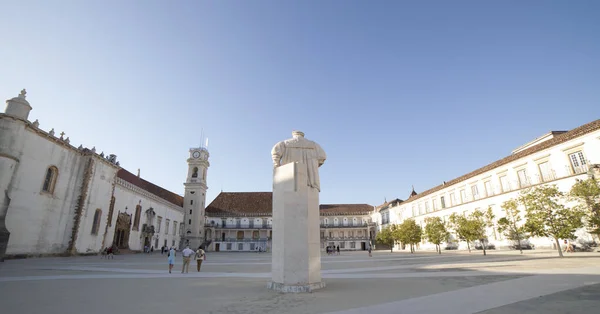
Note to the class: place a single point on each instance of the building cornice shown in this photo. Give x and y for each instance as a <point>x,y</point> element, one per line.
<point>133,188</point>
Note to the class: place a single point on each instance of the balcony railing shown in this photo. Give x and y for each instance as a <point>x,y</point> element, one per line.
<point>241,240</point>
<point>323,225</point>
<point>240,226</point>
<point>363,238</point>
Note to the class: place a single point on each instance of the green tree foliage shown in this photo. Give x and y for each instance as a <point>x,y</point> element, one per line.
<point>510,225</point>
<point>435,232</point>
<point>587,193</point>
<point>472,227</point>
<point>409,233</point>
<point>387,236</point>
<point>478,222</point>
<point>547,217</point>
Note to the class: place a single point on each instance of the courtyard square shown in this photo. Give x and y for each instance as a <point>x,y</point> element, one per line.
<point>453,282</point>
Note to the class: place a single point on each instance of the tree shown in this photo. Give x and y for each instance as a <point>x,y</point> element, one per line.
<point>548,217</point>
<point>478,222</point>
<point>587,193</point>
<point>459,224</point>
<point>387,236</point>
<point>510,224</point>
<point>409,233</point>
<point>436,232</point>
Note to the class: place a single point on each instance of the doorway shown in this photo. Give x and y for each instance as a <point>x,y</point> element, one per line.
<point>363,246</point>
<point>122,229</point>
<point>217,247</point>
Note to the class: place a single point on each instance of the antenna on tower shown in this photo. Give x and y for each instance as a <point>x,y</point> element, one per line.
<point>201,137</point>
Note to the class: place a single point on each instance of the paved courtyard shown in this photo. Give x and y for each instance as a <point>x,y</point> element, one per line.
<point>454,282</point>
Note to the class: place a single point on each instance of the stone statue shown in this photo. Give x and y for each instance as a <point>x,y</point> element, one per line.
<point>23,93</point>
<point>298,149</point>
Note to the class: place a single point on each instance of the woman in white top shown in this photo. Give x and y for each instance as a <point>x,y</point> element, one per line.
<point>200,257</point>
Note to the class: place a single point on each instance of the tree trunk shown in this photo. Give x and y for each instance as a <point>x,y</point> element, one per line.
<point>558,247</point>
<point>439,249</point>
<point>483,246</point>
<point>468,247</point>
<point>519,241</point>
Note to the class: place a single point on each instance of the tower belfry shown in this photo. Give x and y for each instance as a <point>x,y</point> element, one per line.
<point>194,200</point>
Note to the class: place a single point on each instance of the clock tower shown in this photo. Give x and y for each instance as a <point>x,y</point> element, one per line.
<point>195,198</point>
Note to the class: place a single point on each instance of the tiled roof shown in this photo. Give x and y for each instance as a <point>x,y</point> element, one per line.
<point>261,204</point>
<point>241,203</point>
<point>340,209</point>
<point>557,139</point>
<point>151,187</point>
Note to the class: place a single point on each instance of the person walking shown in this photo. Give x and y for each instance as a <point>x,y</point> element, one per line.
<point>171,259</point>
<point>187,256</point>
<point>200,257</point>
<point>370,251</point>
<point>338,250</point>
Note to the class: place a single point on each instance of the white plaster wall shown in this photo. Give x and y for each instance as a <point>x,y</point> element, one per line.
<point>98,197</point>
<point>126,198</point>
<point>50,217</point>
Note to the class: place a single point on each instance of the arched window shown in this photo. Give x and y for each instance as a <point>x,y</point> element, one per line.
<point>136,219</point>
<point>195,172</point>
<point>96,225</point>
<point>50,180</point>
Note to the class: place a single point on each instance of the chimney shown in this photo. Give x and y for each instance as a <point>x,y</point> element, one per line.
<point>138,172</point>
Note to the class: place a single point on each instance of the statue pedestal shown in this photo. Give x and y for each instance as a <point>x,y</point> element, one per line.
<point>296,257</point>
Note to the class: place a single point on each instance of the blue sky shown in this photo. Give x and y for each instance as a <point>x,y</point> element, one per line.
<point>398,93</point>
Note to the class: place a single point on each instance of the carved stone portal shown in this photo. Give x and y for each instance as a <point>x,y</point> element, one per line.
<point>122,229</point>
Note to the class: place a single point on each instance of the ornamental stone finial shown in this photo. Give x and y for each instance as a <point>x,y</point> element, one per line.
<point>23,93</point>
<point>51,132</point>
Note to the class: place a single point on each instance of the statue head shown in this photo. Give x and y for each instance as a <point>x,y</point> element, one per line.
<point>297,134</point>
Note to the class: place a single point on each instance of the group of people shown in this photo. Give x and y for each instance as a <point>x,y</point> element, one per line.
<point>333,250</point>
<point>108,252</point>
<point>199,256</point>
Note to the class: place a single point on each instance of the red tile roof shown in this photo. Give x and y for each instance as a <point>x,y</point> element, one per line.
<point>261,204</point>
<point>557,139</point>
<point>151,187</point>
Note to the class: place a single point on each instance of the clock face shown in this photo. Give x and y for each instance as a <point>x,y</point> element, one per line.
<point>196,154</point>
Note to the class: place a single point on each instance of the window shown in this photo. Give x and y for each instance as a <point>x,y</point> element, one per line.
<point>240,246</point>
<point>545,172</point>
<point>427,209</point>
<point>414,211</point>
<point>488,188</point>
<point>167,226</point>
<point>351,234</point>
<point>228,246</point>
<point>255,234</point>
<point>504,184</point>
<point>50,180</point>
<point>475,192</point>
<point>96,223</point>
<point>322,234</point>
<point>452,199</point>
<point>136,220</point>
<point>341,234</point>
<point>434,204</point>
<point>174,227</point>
<point>195,172</point>
<point>158,223</point>
<point>463,196</point>
<point>352,245</point>
<point>240,235</point>
<point>191,202</point>
<point>189,222</point>
<point>252,246</point>
<point>578,164</point>
<point>342,245</point>
<point>420,209</point>
<point>190,211</point>
<point>330,234</point>
<point>443,201</point>
<point>523,180</point>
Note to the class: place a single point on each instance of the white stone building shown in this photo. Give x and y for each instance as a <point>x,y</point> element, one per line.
<point>556,158</point>
<point>242,221</point>
<point>57,199</point>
